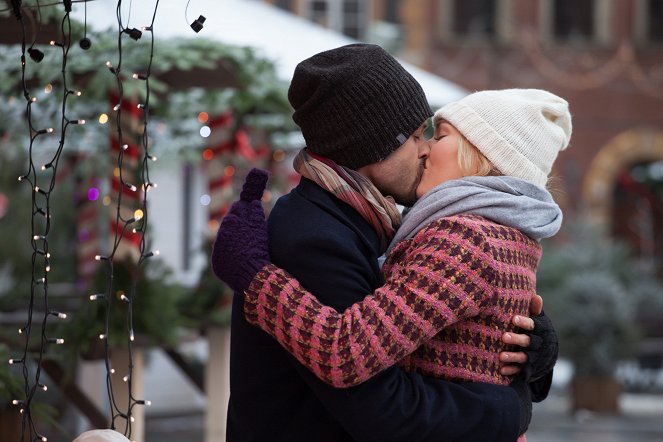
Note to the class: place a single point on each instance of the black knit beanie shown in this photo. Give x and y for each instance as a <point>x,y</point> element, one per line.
<point>356,104</point>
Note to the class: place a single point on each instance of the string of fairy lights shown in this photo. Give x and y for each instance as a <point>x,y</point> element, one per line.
<point>40,220</point>
<point>41,216</point>
<point>137,222</point>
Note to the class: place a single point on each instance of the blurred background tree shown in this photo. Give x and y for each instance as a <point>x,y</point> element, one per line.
<point>594,288</point>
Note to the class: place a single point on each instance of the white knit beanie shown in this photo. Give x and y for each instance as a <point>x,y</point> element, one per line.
<point>520,131</point>
<point>101,436</point>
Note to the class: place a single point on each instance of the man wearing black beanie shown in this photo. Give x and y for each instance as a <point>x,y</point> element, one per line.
<point>358,108</point>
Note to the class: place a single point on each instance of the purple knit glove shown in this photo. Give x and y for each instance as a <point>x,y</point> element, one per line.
<point>240,249</point>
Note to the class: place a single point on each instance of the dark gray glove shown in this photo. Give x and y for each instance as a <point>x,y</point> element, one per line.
<point>542,356</point>
<point>525,396</point>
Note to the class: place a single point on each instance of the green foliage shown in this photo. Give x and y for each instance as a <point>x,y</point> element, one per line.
<point>15,225</point>
<point>259,91</point>
<point>210,302</point>
<point>258,102</point>
<point>155,314</point>
<point>592,288</point>
<point>12,387</point>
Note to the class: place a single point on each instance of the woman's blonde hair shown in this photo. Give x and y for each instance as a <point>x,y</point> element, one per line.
<point>472,162</point>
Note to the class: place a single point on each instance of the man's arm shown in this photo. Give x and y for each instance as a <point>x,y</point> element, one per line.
<point>345,349</point>
<point>394,405</point>
<point>330,249</point>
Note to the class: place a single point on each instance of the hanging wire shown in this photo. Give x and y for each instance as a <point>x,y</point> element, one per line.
<point>140,223</point>
<point>40,224</point>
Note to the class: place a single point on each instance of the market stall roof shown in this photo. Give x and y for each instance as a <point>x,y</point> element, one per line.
<point>277,35</point>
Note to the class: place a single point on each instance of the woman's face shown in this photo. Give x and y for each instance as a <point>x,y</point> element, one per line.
<point>442,163</point>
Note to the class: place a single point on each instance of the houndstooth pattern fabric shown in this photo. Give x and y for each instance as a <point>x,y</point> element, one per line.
<point>450,293</point>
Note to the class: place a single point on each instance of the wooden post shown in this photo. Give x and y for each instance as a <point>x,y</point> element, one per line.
<point>217,383</point>
<point>120,362</point>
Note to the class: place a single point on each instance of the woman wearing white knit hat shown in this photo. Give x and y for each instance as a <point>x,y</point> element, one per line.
<point>462,263</point>
<point>101,436</point>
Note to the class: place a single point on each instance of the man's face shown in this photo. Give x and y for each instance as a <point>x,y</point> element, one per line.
<point>399,174</point>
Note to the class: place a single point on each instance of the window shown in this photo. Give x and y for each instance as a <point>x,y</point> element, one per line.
<point>648,22</point>
<point>465,21</point>
<point>349,17</point>
<point>474,18</point>
<point>576,21</point>
<point>573,20</point>
<point>352,19</point>
<point>391,11</point>
<point>284,4</point>
<point>318,12</point>
<point>655,16</point>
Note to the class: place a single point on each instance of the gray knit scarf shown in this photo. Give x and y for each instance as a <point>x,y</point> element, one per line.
<point>506,200</point>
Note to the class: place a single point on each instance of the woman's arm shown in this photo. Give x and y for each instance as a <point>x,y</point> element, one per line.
<point>440,285</point>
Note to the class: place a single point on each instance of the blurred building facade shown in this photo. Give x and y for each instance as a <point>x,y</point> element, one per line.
<point>604,56</point>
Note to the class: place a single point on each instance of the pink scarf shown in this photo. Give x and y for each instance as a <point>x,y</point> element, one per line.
<point>355,189</point>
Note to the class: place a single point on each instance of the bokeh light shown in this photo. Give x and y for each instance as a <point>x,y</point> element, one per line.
<point>93,194</point>
<point>208,154</point>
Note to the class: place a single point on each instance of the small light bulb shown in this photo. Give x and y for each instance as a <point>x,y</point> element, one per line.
<point>126,378</point>
<point>131,335</point>
<point>112,370</point>
<point>102,336</point>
